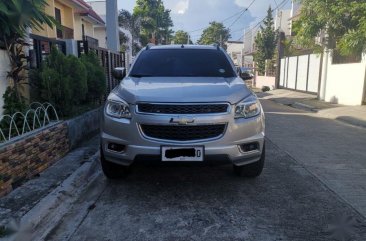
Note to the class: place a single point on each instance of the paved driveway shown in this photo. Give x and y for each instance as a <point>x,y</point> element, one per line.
<point>183,202</point>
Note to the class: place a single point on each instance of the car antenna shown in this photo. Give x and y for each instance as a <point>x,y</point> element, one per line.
<point>182,46</point>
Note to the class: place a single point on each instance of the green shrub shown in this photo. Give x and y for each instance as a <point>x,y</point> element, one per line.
<point>63,82</point>
<point>265,88</point>
<point>12,102</point>
<point>95,76</point>
<point>78,79</point>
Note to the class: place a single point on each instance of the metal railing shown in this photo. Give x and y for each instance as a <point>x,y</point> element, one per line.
<point>108,59</point>
<point>37,116</point>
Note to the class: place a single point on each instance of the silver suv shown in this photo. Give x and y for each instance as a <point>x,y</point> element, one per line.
<point>183,103</point>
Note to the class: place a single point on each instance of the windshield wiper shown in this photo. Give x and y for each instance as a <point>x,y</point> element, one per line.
<point>140,75</point>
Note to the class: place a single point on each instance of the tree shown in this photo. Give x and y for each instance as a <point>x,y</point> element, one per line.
<point>181,37</point>
<point>343,20</point>
<point>265,42</point>
<point>132,23</point>
<point>16,17</point>
<point>215,33</point>
<point>155,21</point>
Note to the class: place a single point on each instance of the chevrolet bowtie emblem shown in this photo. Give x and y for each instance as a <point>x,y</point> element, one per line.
<point>182,120</point>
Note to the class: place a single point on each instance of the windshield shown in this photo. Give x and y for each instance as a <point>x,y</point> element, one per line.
<point>182,62</point>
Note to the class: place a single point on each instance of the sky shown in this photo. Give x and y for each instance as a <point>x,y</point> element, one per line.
<point>191,15</point>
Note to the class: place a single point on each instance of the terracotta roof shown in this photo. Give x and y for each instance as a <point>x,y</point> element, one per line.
<point>89,12</point>
<point>81,2</point>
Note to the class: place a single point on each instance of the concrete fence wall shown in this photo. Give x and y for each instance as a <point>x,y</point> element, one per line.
<point>4,68</point>
<point>261,81</point>
<point>301,72</point>
<point>345,83</point>
<point>25,156</point>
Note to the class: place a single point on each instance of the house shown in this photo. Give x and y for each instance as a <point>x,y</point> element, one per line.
<point>249,46</point>
<point>235,51</point>
<point>101,7</point>
<point>77,22</point>
<point>108,11</point>
<point>86,21</point>
<point>282,21</point>
<point>63,11</point>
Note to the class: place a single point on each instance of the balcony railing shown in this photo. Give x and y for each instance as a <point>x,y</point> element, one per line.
<point>92,42</point>
<point>65,33</point>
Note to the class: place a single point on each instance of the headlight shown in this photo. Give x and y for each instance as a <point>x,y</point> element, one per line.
<point>249,107</point>
<point>118,109</point>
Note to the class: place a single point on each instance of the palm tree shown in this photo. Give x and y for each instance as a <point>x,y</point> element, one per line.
<point>16,17</point>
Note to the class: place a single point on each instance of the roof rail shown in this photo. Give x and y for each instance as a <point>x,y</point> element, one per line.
<point>217,45</point>
<point>148,46</point>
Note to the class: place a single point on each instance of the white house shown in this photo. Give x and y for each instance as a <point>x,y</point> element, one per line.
<point>235,50</point>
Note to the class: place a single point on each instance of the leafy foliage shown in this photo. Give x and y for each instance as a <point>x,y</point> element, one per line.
<point>154,21</point>
<point>95,77</point>
<point>132,23</point>
<point>215,33</point>
<point>265,42</point>
<point>344,21</point>
<point>63,81</point>
<point>181,37</point>
<point>18,15</point>
<point>12,103</point>
<point>15,17</point>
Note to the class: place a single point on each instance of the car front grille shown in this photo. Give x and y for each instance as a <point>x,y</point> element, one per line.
<point>183,133</point>
<point>182,108</point>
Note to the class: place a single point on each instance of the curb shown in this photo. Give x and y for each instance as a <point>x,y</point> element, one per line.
<point>351,121</point>
<point>58,202</point>
<point>302,106</point>
<point>311,109</point>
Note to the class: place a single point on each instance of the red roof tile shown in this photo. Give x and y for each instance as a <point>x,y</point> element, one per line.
<point>89,12</point>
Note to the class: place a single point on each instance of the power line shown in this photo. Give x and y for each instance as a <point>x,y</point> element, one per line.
<point>283,3</point>
<point>245,10</point>
<point>228,18</point>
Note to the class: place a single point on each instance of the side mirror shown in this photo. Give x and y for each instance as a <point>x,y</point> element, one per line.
<point>119,73</point>
<point>246,75</point>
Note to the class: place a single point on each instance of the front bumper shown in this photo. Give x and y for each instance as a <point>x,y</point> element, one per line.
<point>127,132</point>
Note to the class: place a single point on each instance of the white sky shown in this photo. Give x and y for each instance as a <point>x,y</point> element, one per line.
<point>190,15</point>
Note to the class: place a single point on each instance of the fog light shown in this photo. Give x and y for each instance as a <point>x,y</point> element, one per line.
<point>116,147</point>
<point>254,146</point>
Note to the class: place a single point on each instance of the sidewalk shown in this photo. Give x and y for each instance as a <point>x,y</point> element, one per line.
<point>353,115</point>
<point>26,206</point>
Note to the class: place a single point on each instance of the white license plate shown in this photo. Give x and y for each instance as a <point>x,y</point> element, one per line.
<point>186,153</point>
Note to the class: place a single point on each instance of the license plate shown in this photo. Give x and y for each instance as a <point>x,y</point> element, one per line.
<point>172,153</point>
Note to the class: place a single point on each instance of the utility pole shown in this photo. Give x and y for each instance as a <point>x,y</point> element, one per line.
<point>280,54</point>
<point>112,26</point>
<point>188,38</point>
<point>323,85</point>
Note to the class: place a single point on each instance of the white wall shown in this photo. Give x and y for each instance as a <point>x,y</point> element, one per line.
<point>4,67</point>
<point>235,49</point>
<point>345,83</point>
<point>261,81</point>
<point>301,72</point>
<point>101,35</point>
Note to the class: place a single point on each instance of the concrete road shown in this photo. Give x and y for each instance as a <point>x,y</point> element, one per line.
<point>333,151</point>
<point>184,202</point>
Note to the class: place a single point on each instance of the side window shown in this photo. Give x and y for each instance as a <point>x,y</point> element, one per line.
<point>58,15</point>
<point>59,32</point>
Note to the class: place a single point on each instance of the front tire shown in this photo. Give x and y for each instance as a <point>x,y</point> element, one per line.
<point>112,170</point>
<point>251,170</point>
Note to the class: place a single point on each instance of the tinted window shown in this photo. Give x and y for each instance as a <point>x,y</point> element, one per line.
<point>182,62</point>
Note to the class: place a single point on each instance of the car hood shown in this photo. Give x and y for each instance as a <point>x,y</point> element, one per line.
<point>182,89</point>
